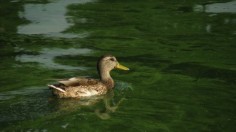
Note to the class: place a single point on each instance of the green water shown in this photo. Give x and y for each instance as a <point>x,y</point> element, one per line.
<point>181,55</point>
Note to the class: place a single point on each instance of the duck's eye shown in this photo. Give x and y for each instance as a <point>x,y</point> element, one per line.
<point>112,59</point>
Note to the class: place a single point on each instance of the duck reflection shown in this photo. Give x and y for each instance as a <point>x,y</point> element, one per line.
<point>110,106</point>
<point>102,105</point>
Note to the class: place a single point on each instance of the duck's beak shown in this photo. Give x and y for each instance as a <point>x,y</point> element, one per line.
<point>119,66</point>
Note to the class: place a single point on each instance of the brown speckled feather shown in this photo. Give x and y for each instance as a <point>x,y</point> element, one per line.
<point>80,87</point>
<point>77,81</point>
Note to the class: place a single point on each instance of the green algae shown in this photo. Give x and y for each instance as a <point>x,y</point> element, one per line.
<point>182,63</point>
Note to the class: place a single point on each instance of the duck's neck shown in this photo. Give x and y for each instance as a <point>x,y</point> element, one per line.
<point>106,79</point>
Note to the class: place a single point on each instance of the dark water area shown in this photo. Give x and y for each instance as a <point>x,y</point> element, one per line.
<point>182,57</point>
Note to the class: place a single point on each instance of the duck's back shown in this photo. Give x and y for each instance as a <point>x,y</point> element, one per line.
<point>78,87</point>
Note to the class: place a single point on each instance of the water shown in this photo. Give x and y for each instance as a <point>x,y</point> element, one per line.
<point>44,16</point>
<point>47,55</point>
<point>181,55</point>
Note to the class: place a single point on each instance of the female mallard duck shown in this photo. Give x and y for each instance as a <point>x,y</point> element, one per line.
<point>77,87</point>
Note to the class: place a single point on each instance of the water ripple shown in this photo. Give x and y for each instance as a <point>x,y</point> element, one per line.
<point>47,56</point>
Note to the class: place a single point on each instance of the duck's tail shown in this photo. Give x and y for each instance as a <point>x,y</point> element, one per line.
<point>57,88</point>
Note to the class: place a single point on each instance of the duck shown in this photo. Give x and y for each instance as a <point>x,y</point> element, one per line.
<point>81,87</point>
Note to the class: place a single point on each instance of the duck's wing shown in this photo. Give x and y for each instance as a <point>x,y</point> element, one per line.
<point>73,82</point>
<point>78,81</point>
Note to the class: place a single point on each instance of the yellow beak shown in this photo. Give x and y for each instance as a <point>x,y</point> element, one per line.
<point>119,66</point>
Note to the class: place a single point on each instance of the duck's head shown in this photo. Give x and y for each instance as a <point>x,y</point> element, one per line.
<point>107,63</point>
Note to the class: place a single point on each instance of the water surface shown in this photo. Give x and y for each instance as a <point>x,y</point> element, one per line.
<point>181,55</point>
<point>48,18</point>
